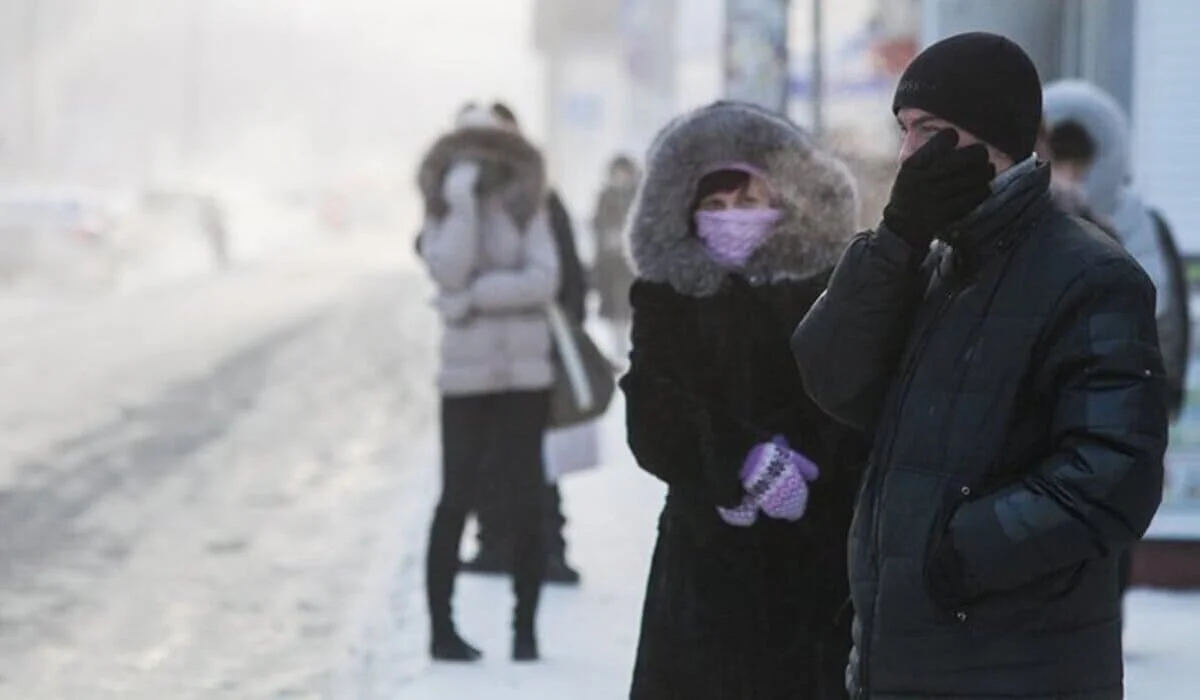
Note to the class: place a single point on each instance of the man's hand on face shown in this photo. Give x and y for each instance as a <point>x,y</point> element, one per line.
<point>937,187</point>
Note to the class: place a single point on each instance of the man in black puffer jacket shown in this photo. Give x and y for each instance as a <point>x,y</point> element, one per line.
<point>1012,384</point>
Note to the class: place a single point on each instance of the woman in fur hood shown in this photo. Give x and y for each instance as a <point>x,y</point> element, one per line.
<point>734,232</point>
<point>488,246</point>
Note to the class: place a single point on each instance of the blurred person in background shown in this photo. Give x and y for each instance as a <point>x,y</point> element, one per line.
<point>488,245</point>
<point>1010,379</point>
<point>1065,156</point>
<point>733,235</point>
<point>611,271</point>
<point>1089,152</point>
<point>216,228</point>
<point>494,555</point>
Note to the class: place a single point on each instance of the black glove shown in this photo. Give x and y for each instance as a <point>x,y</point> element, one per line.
<point>937,187</point>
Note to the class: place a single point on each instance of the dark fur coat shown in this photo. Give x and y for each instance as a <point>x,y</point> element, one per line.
<point>731,613</point>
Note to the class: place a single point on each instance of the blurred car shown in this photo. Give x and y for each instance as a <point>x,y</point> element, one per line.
<point>56,236</point>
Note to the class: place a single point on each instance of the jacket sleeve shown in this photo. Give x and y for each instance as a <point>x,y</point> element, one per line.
<point>531,286</point>
<point>674,432</point>
<point>1100,486</point>
<point>848,344</point>
<point>449,246</point>
<point>573,290</point>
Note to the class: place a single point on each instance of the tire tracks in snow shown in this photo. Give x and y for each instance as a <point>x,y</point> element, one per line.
<point>212,541</point>
<point>37,518</point>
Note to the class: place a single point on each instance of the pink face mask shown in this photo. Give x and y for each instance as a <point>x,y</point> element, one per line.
<point>731,236</point>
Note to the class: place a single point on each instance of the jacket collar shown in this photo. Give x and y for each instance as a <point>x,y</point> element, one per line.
<point>1019,195</point>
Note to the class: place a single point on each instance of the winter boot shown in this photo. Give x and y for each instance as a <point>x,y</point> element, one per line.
<point>529,560</point>
<point>441,567</point>
<point>560,572</point>
<point>447,645</point>
<point>525,646</point>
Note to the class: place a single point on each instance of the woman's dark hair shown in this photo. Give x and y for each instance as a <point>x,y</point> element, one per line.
<point>621,161</point>
<point>503,111</point>
<point>1069,142</point>
<point>719,181</point>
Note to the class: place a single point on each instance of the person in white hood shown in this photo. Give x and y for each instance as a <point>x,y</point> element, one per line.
<point>1105,186</point>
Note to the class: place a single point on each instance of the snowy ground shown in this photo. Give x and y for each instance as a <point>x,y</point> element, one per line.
<point>194,480</point>
<point>219,488</point>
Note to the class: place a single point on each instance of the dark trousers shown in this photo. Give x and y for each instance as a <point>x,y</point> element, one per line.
<point>495,530</point>
<point>491,453</point>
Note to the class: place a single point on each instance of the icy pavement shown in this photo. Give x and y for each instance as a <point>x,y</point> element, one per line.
<point>1162,646</point>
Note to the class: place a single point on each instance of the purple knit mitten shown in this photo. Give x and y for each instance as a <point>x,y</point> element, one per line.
<point>744,514</point>
<point>776,477</point>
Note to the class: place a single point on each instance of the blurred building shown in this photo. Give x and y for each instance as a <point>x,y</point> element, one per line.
<point>617,70</point>
<point>610,83</point>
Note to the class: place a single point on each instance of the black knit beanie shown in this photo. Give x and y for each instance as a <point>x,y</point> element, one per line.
<point>981,82</point>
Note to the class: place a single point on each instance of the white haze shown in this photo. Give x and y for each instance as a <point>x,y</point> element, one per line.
<point>277,93</point>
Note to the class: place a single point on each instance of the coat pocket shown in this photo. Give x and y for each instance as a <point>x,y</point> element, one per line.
<point>1059,600</point>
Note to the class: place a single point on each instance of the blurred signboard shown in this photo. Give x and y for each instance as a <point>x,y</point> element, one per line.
<point>576,24</point>
<point>756,52</point>
<point>583,110</point>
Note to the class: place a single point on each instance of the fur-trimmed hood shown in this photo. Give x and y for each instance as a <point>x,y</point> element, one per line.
<point>816,190</point>
<point>511,168</point>
<point>1101,116</point>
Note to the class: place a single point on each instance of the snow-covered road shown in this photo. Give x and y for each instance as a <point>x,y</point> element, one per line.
<point>193,481</point>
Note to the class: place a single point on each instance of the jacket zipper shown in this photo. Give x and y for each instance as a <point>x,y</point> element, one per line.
<point>874,479</point>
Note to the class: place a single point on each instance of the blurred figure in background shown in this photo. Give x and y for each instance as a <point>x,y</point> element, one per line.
<point>611,272</point>
<point>1071,151</point>
<point>494,554</point>
<point>1089,149</point>
<point>734,235</point>
<point>488,245</point>
<point>216,229</point>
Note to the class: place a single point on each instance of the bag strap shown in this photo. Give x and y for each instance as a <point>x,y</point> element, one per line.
<point>572,359</point>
